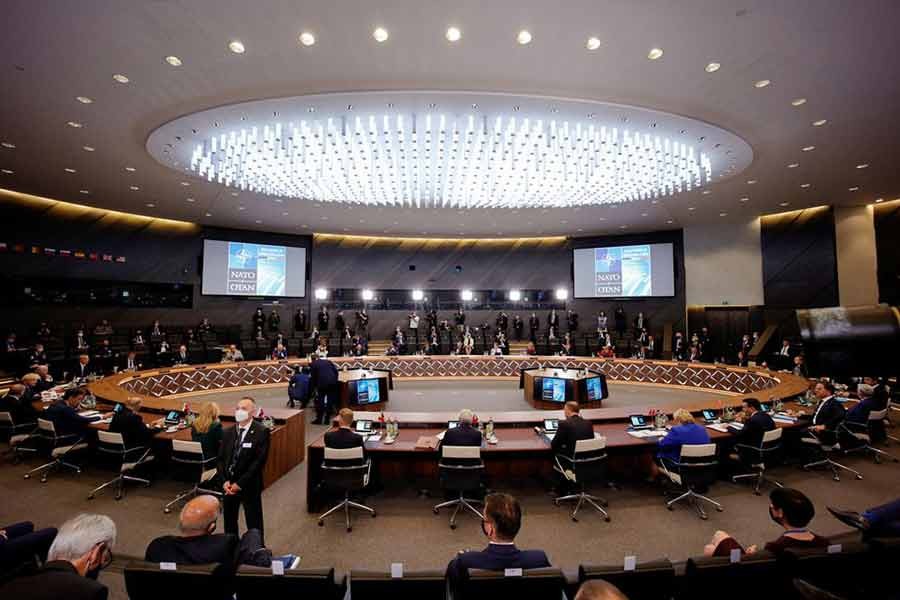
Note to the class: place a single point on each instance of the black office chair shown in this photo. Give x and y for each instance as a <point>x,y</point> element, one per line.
<point>586,467</point>
<point>768,454</point>
<point>755,576</point>
<point>654,580</point>
<point>848,570</point>
<point>57,447</point>
<point>18,435</point>
<point>862,437</point>
<point>346,469</point>
<point>695,469</point>
<point>548,582</point>
<point>151,581</point>
<point>825,445</point>
<point>251,583</point>
<point>192,466</point>
<point>111,449</point>
<point>414,585</point>
<point>460,470</point>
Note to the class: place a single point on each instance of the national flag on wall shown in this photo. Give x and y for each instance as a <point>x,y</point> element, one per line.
<point>120,259</point>
<point>93,256</point>
<point>65,253</point>
<point>79,254</point>
<point>50,251</point>
<point>3,247</point>
<point>107,257</point>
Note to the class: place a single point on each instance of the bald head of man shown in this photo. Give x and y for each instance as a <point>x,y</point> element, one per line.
<point>199,516</point>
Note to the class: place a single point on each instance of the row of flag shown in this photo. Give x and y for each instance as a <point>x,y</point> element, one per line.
<point>46,251</point>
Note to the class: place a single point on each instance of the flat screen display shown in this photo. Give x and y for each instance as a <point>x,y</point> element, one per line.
<point>245,269</point>
<point>553,389</point>
<point>595,388</point>
<point>635,271</point>
<point>368,391</point>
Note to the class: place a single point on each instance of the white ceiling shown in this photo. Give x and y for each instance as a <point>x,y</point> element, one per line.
<point>839,55</point>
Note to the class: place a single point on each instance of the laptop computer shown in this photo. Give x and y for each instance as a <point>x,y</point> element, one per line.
<point>709,416</point>
<point>364,427</point>
<point>551,426</point>
<point>639,422</point>
<point>452,424</point>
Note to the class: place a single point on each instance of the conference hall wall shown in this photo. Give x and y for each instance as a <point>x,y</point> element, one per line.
<point>887,243</point>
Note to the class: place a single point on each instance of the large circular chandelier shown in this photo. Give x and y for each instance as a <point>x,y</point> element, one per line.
<point>449,150</point>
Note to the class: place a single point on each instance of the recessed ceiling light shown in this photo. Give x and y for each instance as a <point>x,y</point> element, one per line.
<point>879,200</point>
<point>855,188</point>
<point>863,166</point>
<point>744,199</point>
<point>130,169</point>
<point>783,203</point>
<point>258,222</point>
<point>690,208</point>
<point>284,214</point>
<point>798,101</point>
<point>83,99</point>
<point>7,171</point>
<point>670,221</point>
<point>524,37</point>
<point>188,199</point>
<point>808,148</point>
<point>9,145</point>
<point>84,191</point>
<point>133,188</point>
<point>242,208</point>
<point>655,53</point>
<point>804,185</point>
<point>723,214</point>
<point>69,170</point>
<point>208,214</point>
<point>236,46</point>
<point>185,183</point>
<point>174,61</point>
<point>380,34</point>
<point>593,43</point>
<point>75,124</point>
<point>751,181</point>
<point>793,165</point>
<point>307,38</point>
<point>762,83</point>
<point>706,192</point>
<point>121,78</point>
<point>623,226</point>
<point>151,205</point>
<point>304,226</point>
<point>713,67</point>
<point>642,214</point>
<point>88,148</point>
<point>819,123</point>
<point>235,194</point>
<point>453,34</point>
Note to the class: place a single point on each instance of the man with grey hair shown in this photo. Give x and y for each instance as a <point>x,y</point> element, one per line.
<point>83,546</point>
<point>464,434</point>
<point>17,405</point>
<point>867,403</point>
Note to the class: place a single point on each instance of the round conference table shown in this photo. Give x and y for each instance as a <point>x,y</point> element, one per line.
<point>518,449</point>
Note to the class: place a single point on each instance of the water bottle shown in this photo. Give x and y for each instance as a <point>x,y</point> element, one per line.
<point>489,429</point>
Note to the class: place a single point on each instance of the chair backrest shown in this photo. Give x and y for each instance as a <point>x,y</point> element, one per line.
<point>461,452</point>
<point>769,452</point>
<point>878,415</point>
<point>188,447</point>
<point>653,580</point>
<point>698,464</point>
<point>589,461</point>
<point>591,445</point>
<point>696,453</point>
<point>770,437</point>
<point>111,438</point>
<point>414,585</point>
<point>343,454</point>
<point>6,419</point>
<point>460,468</point>
<point>251,583</point>
<point>189,463</point>
<point>754,576</point>
<point>532,583</point>
<point>828,569</point>
<point>47,427</point>
<point>345,468</point>
<point>147,581</point>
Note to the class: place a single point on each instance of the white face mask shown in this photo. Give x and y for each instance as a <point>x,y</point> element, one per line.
<point>241,415</point>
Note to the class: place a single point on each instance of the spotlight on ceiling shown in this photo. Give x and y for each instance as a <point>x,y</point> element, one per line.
<point>380,34</point>
<point>466,295</point>
<point>713,67</point>
<point>368,294</point>
<point>655,53</point>
<point>418,295</point>
<point>236,46</point>
<point>307,38</point>
<point>593,43</point>
<point>561,293</point>
<point>524,37</point>
<point>174,61</point>
<point>453,34</point>
<point>515,295</point>
<point>321,293</point>
<point>762,83</point>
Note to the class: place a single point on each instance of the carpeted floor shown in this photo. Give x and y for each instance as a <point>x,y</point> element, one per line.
<point>407,531</point>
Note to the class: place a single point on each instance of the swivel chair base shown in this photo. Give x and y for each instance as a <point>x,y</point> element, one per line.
<point>119,482</point>
<point>760,477</point>
<point>458,503</point>
<point>46,469</point>
<point>187,495</point>
<point>834,466</point>
<point>694,499</point>
<point>347,504</point>
<point>580,499</point>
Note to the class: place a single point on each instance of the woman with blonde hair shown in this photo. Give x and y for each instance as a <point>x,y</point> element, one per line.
<point>685,431</point>
<point>207,429</point>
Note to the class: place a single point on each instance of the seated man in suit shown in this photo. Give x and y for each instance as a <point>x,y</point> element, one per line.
<point>182,357</point>
<point>198,544</point>
<point>793,511</point>
<point>129,423</point>
<point>17,406</point>
<point>502,521</point>
<point>82,548</point>
<point>868,402</point>
<point>83,368</point>
<point>20,544</point>
<point>756,423</point>
<point>572,429</point>
<point>130,362</point>
<point>64,414</point>
<point>828,414</point>
<point>464,434</point>
<point>45,380</point>
<point>342,436</point>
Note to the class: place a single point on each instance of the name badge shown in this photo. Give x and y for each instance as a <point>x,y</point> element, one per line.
<point>246,445</point>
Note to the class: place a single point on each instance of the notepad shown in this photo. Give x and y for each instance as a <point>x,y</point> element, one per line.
<point>88,413</point>
<point>720,427</point>
<point>647,433</point>
<point>426,441</point>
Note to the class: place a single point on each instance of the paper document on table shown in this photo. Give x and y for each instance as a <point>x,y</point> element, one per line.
<point>374,438</point>
<point>440,436</point>
<point>647,433</point>
<point>427,441</point>
<point>88,413</point>
<point>720,427</point>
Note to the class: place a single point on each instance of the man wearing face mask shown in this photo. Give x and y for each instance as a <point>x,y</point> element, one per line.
<point>502,521</point>
<point>198,543</point>
<point>81,549</point>
<point>791,510</point>
<point>242,458</point>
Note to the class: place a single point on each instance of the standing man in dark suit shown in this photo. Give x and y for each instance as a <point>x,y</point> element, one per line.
<point>464,434</point>
<point>343,436</point>
<point>323,318</point>
<point>324,379</point>
<point>242,458</point>
<point>572,429</point>
<point>533,325</point>
<point>82,548</point>
<point>502,521</point>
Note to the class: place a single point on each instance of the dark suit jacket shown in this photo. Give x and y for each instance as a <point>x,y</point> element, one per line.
<point>752,432</point>
<point>80,370</point>
<point>462,435</point>
<point>829,414</point>
<point>298,387</point>
<point>21,410</point>
<point>200,550</point>
<point>250,461</point>
<point>323,374</point>
<point>182,360</point>
<point>56,579</point>
<point>496,557</point>
<point>343,438</point>
<point>66,419</point>
<point>132,428</point>
<point>570,431</point>
<point>860,412</point>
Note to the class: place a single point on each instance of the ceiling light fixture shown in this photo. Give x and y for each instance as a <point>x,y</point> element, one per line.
<point>819,123</point>
<point>655,53</point>
<point>88,148</point>
<point>524,37</point>
<point>75,124</point>
<point>307,38</point>
<point>151,205</point>
<point>84,191</point>
<point>453,34</point>
<point>8,145</point>
<point>798,101</point>
<point>236,46</point>
<point>670,221</point>
<point>69,170</point>
<point>762,83</point>
<point>84,99</point>
<point>7,171</point>
<point>120,78</point>
<point>723,214</point>
<point>751,181</point>
<point>744,199</point>
<point>593,43</point>
<point>879,200</point>
<point>808,148</point>
<point>793,165</point>
<point>133,188</point>
<point>380,34</point>
<point>174,61</point>
<point>561,293</point>
<point>805,185</point>
<point>130,169</point>
<point>783,203</point>
<point>188,199</point>
<point>713,67</point>
<point>855,188</point>
<point>863,166</point>
<point>185,183</point>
